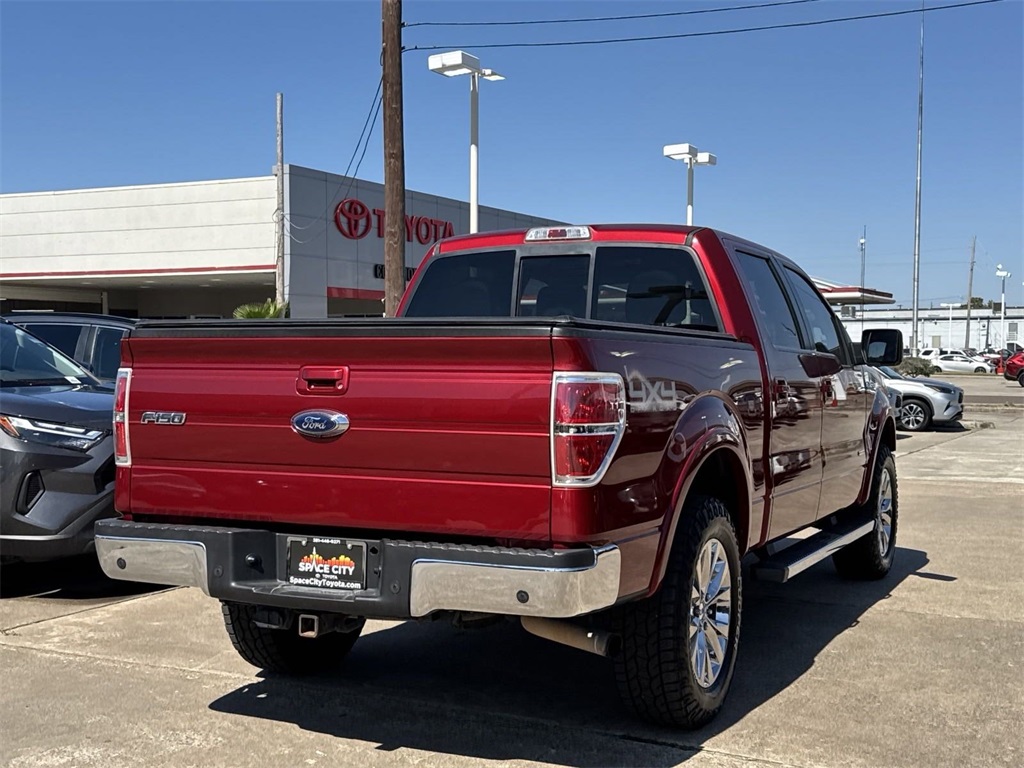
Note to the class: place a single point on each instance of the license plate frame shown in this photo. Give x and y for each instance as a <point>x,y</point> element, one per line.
<point>338,565</point>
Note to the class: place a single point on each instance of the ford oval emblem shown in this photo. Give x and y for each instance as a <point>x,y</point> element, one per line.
<point>320,423</point>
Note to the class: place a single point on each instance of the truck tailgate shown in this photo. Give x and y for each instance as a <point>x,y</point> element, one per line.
<point>447,432</point>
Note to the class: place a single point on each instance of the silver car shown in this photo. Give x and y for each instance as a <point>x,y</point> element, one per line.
<point>925,401</point>
<point>961,364</point>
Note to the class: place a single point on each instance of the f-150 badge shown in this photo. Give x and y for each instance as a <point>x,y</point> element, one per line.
<point>175,418</point>
<point>320,424</point>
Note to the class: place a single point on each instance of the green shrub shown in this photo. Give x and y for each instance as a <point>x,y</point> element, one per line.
<point>268,309</point>
<point>915,366</point>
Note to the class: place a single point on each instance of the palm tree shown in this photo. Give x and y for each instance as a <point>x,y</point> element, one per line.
<point>268,309</point>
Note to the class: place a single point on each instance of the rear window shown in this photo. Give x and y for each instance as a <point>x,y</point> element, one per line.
<point>550,286</point>
<point>465,285</point>
<point>639,285</point>
<point>651,286</point>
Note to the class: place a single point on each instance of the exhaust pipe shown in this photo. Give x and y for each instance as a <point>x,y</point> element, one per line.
<point>309,625</point>
<point>590,640</point>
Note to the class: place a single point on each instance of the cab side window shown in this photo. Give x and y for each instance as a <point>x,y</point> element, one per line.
<point>819,320</point>
<point>63,337</point>
<point>106,353</point>
<point>770,304</point>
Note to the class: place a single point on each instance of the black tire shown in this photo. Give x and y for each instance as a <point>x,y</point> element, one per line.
<point>915,415</point>
<point>653,669</point>
<point>871,556</point>
<point>979,369</point>
<point>1020,378</point>
<point>282,650</point>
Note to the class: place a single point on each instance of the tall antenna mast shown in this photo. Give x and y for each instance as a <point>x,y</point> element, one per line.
<point>915,341</point>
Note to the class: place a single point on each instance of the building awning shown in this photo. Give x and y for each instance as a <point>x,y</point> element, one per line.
<point>839,295</point>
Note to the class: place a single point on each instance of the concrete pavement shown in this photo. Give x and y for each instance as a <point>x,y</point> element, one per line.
<point>925,668</point>
<point>986,389</point>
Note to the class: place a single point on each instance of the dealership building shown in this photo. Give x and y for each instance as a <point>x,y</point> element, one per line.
<point>200,249</point>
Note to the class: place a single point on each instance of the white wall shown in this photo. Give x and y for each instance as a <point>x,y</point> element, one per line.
<point>933,324</point>
<point>205,224</point>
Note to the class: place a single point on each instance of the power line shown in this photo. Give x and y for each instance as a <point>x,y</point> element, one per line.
<point>646,38</point>
<point>355,173</point>
<point>604,18</point>
<point>373,113</point>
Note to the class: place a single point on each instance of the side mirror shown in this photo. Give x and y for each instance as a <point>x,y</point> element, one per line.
<point>882,346</point>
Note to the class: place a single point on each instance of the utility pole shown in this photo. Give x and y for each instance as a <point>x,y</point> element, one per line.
<point>394,156</point>
<point>279,213</point>
<point>970,287</point>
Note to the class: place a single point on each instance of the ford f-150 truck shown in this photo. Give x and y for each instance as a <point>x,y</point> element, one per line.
<point>583,427</point>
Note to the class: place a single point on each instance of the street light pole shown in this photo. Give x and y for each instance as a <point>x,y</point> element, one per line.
<point>474,152</point>
<point>690,155</point>
<point>689,191</point>
<point>1002,273</point>
<point>951,308</point>
<point>455,63</point>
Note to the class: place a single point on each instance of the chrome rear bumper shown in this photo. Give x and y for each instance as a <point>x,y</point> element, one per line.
<point>411,579</point>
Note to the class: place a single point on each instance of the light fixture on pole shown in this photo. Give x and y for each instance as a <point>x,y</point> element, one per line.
<point>452,64</point>
<point>690,155</point>
<point>1003,273</point>
<point>951,307</point>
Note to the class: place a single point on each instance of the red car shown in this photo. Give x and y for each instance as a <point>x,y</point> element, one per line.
<point>1014,370</point>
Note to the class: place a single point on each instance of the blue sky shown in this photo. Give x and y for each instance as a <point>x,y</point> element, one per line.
<point>815,128</point>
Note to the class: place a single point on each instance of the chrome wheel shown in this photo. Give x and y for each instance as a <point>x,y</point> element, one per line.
<point>913,416</point>
<point>883,519</point>
<point>710,613</point>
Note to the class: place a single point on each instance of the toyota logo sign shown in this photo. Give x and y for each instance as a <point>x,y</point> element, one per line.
<point>352,218</point>
<point>354,221</point>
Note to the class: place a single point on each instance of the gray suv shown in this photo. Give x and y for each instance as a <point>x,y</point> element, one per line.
<point>925,401</point>
<point>56,450</point>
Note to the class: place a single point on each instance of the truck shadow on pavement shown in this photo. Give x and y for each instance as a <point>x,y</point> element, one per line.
<point>498,693</point>
<point>72,578</point>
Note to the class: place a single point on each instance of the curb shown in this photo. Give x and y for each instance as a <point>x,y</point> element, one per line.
<point>978,424</point>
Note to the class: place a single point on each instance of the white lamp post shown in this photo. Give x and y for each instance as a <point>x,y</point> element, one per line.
<point>1002,273</point>
<point>951,308</point>
<point>452,64</point>
<point>690,155</point>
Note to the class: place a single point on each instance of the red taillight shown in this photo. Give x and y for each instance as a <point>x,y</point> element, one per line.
<point>122,447</point>
<point>587,402</point>
<point>588,417</point>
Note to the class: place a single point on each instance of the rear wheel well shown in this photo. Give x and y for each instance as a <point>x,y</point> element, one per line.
<point>722,476</point>
<point>889,434</point>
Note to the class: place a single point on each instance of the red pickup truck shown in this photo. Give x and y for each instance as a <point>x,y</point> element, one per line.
<point>583,427</point>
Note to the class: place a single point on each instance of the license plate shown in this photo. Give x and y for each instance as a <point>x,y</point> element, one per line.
<point>327,563</point>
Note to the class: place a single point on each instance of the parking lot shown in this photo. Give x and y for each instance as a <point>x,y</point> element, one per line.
<point>924,668</point>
